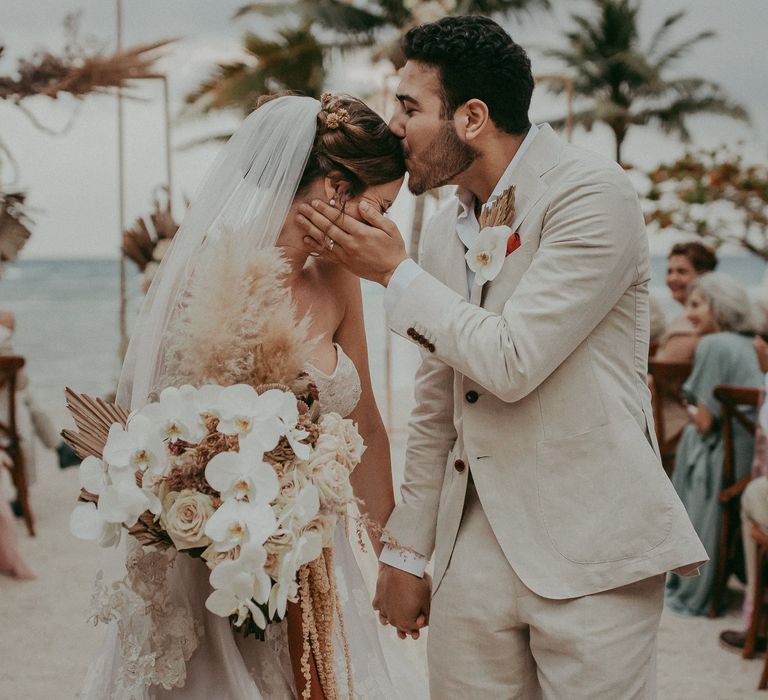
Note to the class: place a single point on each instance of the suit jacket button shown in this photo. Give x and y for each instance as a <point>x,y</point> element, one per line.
<point>459,465</point>
<point>471,396</point>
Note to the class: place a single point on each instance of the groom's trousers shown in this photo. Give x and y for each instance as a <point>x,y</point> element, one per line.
<point>492,638</point>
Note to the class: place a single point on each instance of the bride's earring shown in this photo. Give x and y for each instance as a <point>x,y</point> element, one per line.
<point>332,201</point>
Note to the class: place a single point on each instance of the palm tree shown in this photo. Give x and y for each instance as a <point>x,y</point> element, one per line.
<point>626,82</point>
<point>297,59</point>
<point>294,60</point>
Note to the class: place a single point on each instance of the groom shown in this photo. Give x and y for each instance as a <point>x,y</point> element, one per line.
<point>532,470</point>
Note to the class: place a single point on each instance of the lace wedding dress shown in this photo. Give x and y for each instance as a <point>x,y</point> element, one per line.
<point>162,635</point>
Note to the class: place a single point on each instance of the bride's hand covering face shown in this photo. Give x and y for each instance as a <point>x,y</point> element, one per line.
<point>354,159</point>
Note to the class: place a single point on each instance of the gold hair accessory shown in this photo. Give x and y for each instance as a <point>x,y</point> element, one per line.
<point>335,116</point>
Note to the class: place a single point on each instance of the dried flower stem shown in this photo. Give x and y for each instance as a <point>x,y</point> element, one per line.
<point>501,212</point>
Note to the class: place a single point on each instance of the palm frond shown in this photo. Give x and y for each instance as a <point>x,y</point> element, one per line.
<point>661,33</point>
<point>678,51</point>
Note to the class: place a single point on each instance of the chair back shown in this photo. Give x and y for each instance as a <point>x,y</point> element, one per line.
<point>10,440</point>
<point>10,365</point>
<point>739,404</point>
<point>666,383</point>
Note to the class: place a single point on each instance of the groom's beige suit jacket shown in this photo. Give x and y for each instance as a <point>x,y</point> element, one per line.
<point>539,389</point>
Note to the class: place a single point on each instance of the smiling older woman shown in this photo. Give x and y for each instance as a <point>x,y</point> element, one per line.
<point>718,310</point>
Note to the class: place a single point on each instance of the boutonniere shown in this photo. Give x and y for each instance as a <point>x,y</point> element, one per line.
<point>496,240</point>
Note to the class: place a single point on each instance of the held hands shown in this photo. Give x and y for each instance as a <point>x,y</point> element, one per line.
<point>402,600</point>
<point>371,251</point>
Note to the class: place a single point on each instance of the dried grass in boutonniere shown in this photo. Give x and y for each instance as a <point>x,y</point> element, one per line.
<point>501,212</point>
<point>496,240</point>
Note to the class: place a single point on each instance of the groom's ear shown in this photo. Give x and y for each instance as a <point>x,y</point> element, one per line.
<point>472,118</point>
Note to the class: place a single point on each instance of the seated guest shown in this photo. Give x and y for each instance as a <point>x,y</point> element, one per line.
<point>720,312</point>
<point>11,562</point>
<point>32,420</point>
<point>754,511</point>
<point>686,261</point>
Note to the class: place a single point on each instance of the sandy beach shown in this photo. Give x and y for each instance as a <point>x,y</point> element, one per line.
<point>47,643</point>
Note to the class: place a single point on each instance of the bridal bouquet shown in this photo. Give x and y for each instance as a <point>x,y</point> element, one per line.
<point>250,479</point>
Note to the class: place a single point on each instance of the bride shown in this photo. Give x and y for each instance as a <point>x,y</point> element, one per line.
<point>161,641</point>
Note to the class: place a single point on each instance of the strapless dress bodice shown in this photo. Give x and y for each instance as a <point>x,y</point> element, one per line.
<point>339,391</point>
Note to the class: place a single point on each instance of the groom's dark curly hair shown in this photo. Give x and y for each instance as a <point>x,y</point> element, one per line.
<point>477,59</point>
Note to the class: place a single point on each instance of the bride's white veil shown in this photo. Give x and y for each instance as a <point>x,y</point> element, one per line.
<point>246,193</point>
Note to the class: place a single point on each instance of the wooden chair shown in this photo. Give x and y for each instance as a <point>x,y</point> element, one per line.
<point>737,402</point>
<point>10,441</point>
<point>757,625</point>
<point>666,382</point>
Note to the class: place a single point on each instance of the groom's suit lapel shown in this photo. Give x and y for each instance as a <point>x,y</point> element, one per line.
<point>542,155</point>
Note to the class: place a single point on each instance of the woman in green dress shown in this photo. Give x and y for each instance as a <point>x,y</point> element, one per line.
<point>720,311</point>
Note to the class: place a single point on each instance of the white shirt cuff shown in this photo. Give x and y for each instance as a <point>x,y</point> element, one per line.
<point>404,274</point>
<point>404,560</point>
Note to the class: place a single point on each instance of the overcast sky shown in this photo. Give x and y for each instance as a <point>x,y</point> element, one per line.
<point>71,179</point>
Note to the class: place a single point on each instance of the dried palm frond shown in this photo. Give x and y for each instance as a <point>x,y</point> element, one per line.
<point>501,212</point>
<point>147,239</point>
<point>93,418</point>
<point>78,74</point>
<point>13,225</point>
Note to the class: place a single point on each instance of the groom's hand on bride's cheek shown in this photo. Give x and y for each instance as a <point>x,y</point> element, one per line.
<point>371,249</point>
<point>402,600</point>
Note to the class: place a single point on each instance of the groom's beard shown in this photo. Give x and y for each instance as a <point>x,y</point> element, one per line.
<point>445,158</point>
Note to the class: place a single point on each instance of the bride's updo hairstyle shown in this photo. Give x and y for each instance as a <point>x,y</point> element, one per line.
<point>352,143</point>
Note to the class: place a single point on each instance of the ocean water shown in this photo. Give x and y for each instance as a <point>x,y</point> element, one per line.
<point>67,321</point>
<point>67,324</point>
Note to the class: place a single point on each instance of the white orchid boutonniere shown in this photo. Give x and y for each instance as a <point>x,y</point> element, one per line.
<point>496,240</point>
<point>486,257</point>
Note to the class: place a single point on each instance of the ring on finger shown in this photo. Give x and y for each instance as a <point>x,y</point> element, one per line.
<point>329,243</point>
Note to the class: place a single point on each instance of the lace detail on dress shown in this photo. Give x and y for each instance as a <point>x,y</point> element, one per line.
<point>156,637</point>
<point>340,391</point>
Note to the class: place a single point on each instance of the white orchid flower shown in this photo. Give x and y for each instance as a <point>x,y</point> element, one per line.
<point>207,399</point>
<point>305,549</point>
<point>86,523</point>
<point>295,436</point>
<point>239,523</point>
<point>239,585</point>
<point>123,501</point>
<point>251,561</point>
<point>286,588</point>
<point>93,475</point>
<point>236,407</point>
<point>486,257</point>
<point>243,475</point>
<point>175,415</point>
<point>277,417</point>
<point>303,510</point>
<point>284,406</point>
<point>137,446</point>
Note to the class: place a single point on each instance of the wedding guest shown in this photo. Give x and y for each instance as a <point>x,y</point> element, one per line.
<point>686,261</point>
<point>720,312</point>
<point>11,561</point>
<point>754,511</point>
<point>33,421</point>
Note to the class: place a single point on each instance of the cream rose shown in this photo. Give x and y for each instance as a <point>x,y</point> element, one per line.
<point>185,514</point>
<point>349,444</point>
<point>332,481</point>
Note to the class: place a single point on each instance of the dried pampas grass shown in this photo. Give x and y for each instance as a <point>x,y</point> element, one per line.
<point>237,323</point>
